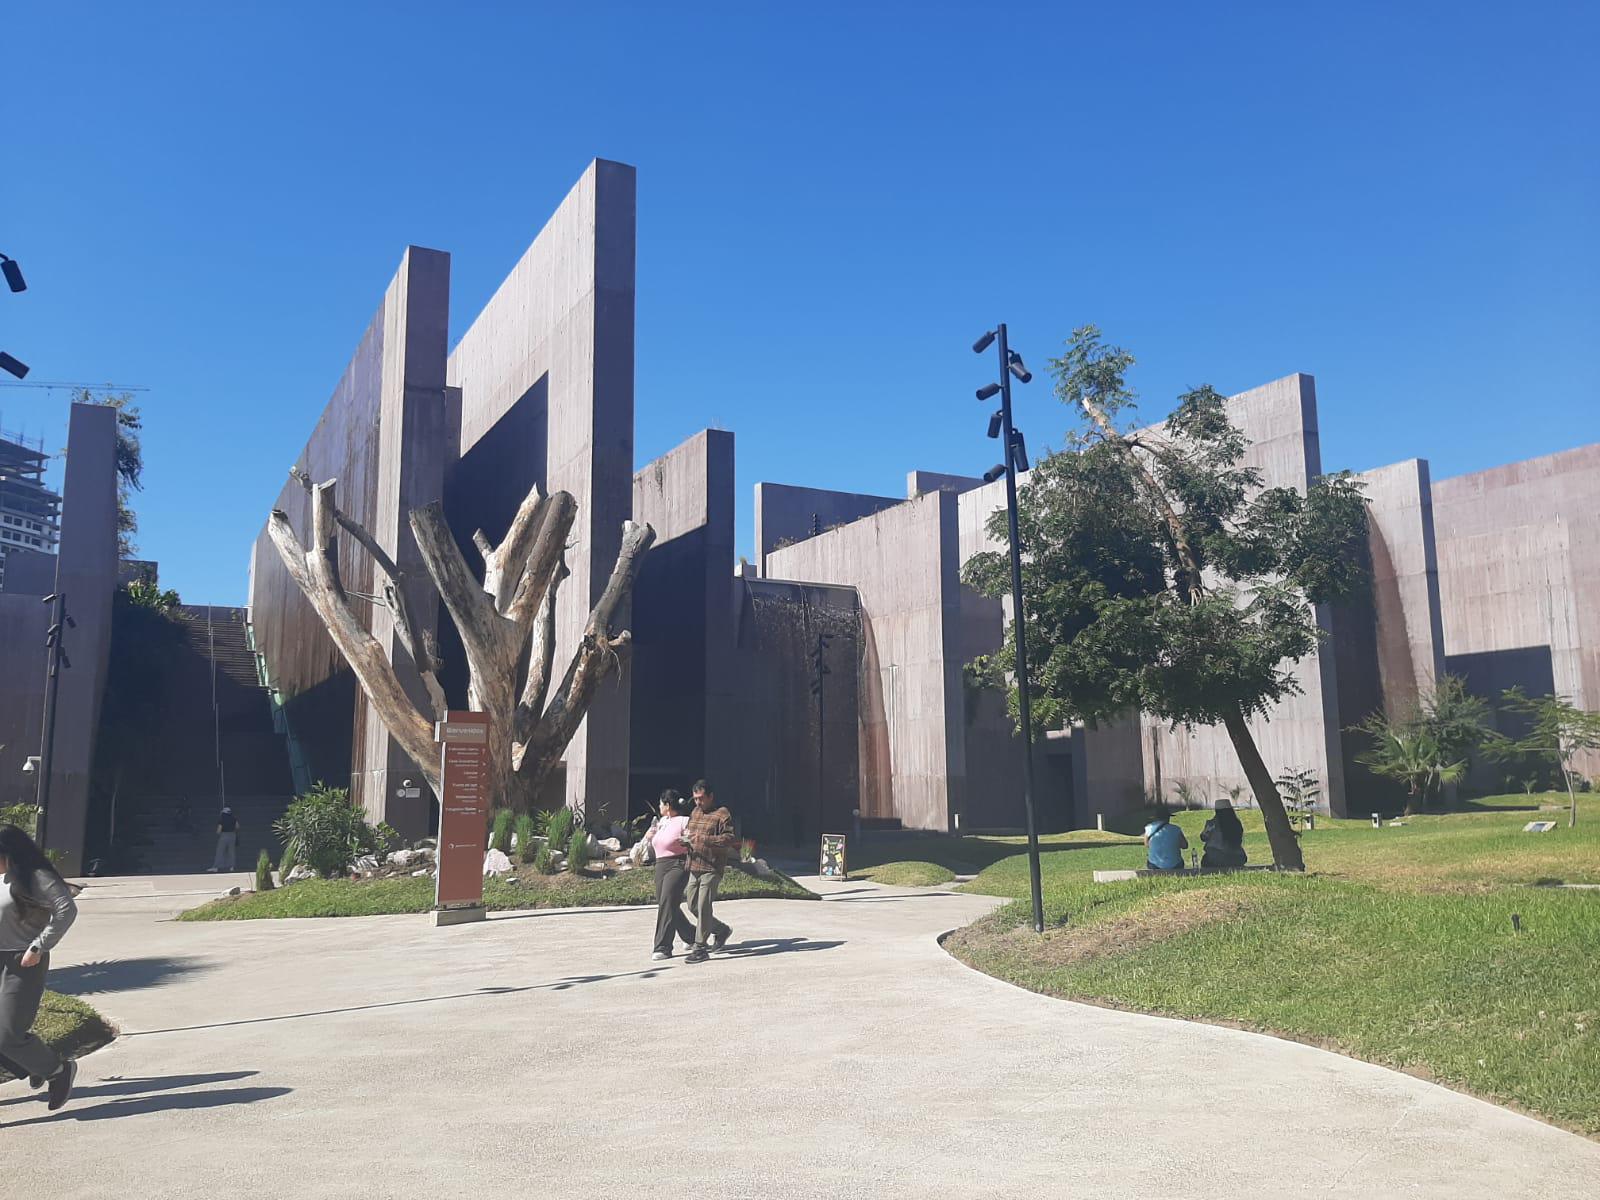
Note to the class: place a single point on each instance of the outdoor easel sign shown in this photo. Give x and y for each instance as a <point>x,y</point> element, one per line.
<point>463,817</point>
<point>832,865</point>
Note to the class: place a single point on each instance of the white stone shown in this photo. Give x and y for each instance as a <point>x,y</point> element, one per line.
<point>761,868</point>
<point>404,858</point>
<point>301,871</point>
<point>233,891</point>
<point>496,863</point>
<point>612,844</point>
<point>424,871</point>
<point>366,862</point>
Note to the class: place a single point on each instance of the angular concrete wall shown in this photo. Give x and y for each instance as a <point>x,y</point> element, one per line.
<point>902,562</point>
<point>786,515</point>
<point>557,338</point>
<point>1519,577</point>
<point>386,436</point>
<point>87,574</point>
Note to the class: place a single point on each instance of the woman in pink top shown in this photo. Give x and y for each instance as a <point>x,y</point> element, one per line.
<point>672,873</point>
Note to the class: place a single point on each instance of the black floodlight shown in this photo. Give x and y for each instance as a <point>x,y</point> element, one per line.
<point>14,366</point>
<point>994,424</point>
<point>994,472</point>
<point>988,390</point>
<point>13,274</point>
<point>1019,451</point>
<point>983,343</point>
<point>1021,372</point>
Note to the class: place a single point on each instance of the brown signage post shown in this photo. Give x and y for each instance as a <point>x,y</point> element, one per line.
<point>463,817</point>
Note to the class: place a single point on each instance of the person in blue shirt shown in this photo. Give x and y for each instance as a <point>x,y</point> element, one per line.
<point>1165,843</point>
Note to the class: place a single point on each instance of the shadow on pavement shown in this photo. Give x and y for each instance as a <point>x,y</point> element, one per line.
<point>153,1104</point>
<point>758,947</point>
<point>555,985</point>
<point>118,1086</point>
<point>120,975</point>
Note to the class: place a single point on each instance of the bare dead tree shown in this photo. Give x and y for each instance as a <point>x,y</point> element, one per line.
<point>507,619</point>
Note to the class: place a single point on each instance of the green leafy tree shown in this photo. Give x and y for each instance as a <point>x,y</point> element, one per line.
<point>1162,577</point>
<point>1300,791</point>
<point>1411,753</point>
<point>1558,731</point>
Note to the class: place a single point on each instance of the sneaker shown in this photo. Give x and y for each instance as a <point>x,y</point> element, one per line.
<point>719,941</point>
<point>61,1084</point>
<point>661,955</point>
<point>698,954</point>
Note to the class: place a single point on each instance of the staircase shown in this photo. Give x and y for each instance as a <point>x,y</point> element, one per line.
<point>220,746</point>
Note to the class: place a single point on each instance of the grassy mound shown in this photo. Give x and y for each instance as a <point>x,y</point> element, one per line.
<point>905,874</point>
<point>70,1027</point>
<point>1399,946</point>
<point>378,897</point>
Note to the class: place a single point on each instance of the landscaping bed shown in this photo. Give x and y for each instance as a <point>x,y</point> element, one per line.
<point>70,1027</point>
<point>1398,946</point>
<point>522,889</point>
<point>905,874</point>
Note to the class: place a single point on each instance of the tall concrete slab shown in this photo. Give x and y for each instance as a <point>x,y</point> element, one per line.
<point>902,562</point>
<point>684,620</point>
<point>1519,577</point>
<point>786,514</point>
<point>87,573</point>
<point>385,437</point>
<point>551,354</point>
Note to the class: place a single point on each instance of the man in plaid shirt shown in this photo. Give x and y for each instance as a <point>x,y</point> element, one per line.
<point>711,838</point>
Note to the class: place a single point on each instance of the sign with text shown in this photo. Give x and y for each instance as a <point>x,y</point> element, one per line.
<point>832,865</point>
<point>463,809</point>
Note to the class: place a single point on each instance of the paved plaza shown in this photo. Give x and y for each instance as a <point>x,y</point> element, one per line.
<point>837,1050</point>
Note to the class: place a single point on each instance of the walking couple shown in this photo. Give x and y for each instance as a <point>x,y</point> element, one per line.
<point>691,845</point>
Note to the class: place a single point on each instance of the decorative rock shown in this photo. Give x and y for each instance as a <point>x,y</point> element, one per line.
<point>424,871</point>
<point>624,865</point>
<point>300,872</point>
<point>761,869</point>
<point>404,858</point>
<point>367,862</point>
<point>233,891</point>
<point>496,863</point>
<point>612,844</point>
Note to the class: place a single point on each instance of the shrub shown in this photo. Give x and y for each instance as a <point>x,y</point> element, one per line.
<point>325,831</point>
<point>264,871</point>
<point>544,859</point>
<point>526,846</point>
<point>500,830</point>
<point>560,827</point>
<point>24,816</point>
<point>578,850</point>
<point>287,862</point>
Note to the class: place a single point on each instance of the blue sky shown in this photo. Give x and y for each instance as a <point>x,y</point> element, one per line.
<point>834,200</point>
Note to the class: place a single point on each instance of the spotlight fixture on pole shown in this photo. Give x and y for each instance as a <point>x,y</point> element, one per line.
<point>1016,460</point>
<point>13,366</point>
<point>994,423</point>
<point>13,274</point>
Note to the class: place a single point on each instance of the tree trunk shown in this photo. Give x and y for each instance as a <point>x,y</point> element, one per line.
<point>1285,846</point>
<point>1572,798</point>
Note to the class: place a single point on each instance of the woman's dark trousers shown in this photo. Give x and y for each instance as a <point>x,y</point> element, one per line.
<point>672,877</point>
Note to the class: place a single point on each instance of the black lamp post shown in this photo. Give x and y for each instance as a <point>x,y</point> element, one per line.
<point>55,659</point>
<point>1016,459</point>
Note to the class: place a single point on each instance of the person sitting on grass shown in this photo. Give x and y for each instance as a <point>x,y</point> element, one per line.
<point>1223,838</point>
<point>1164,842</point>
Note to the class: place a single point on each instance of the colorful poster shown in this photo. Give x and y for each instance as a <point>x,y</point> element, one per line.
<point>832,856</point>
<point>463,809</point>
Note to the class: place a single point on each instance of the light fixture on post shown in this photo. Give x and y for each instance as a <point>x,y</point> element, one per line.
<point>1011,366</point>
<point>13,274</point>
<point>13,366</point>
<point>55,662</point>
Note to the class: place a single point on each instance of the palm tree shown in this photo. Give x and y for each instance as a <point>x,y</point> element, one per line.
<point>1412,754</point>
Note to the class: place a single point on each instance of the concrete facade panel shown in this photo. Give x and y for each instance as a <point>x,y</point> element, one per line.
<point>786,514</point>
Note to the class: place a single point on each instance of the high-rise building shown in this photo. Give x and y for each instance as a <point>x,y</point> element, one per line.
<point>30,513</point>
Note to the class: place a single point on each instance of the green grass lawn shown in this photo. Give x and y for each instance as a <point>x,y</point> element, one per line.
<point>912,873</point>
<point>1397,946</point>
<point>70,1026</point>
<point>377,897</point>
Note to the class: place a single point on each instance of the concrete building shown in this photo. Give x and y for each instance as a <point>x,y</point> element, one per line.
<point>85,570</point>
<point>30,513</point>
<point>826,682</point>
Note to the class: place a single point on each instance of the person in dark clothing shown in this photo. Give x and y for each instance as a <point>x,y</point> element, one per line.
<point>36,909</point>
<point>1223,838</point>
<point>672,873</point>
<point>227,840</point>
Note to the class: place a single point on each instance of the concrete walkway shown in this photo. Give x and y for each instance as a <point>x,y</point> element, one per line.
<point>839,1051</point>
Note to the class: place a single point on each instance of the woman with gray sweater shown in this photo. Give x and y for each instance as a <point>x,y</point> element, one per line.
<point>36,908</point>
